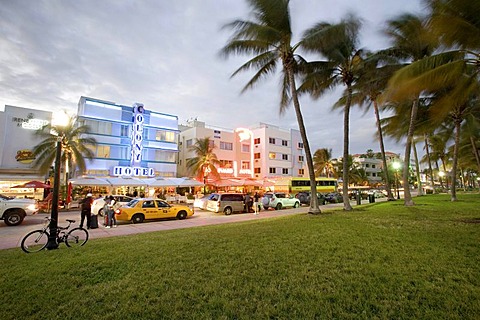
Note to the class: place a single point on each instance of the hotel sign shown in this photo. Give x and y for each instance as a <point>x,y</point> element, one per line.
<point>135,168</point>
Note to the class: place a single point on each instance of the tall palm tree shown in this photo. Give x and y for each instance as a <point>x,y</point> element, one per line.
<point>75,147</point>
<point>322,161</point>
<point>366,93</point>
<point>338,43</point>
<point>205,161</point>
<point>268,38</point>
<point>411,41</point>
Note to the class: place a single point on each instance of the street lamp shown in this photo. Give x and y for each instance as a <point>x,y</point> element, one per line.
<point>396,165</point>
<point>52,237</point>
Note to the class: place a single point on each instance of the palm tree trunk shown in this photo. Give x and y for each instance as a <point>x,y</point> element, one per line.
<point>455,160</point>
<point>475,152</point>
<point>346,132</point>
<point>382,150</point>
<point>408,147</point>
<point>417,169</point>
<point>314,209</point>
<point>427,151</point>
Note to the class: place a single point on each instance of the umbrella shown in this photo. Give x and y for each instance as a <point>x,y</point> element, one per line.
<point>90,181</point>
<point>34,184</point>
<point>126,181</point>
<point>225,183</point>
<point>159,182</point>
<point>185,182</point>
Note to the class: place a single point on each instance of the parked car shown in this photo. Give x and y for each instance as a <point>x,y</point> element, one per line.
<point>280,200</point>
<point>334,197</point>
<point>139,210</point>
<point>14,210</point>
<point>226,203</point>
<point>304,198</point>
<point>97,205</point>
<point>201,203</point>
<point>376,193</point>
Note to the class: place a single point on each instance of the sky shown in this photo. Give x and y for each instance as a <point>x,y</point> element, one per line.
<point>165,54</point>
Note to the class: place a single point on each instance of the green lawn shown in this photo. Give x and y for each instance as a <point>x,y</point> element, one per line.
<point>381,261</point>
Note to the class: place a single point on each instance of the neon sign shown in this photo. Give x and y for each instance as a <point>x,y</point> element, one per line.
<point>137,134</point>
<point>132,171</point>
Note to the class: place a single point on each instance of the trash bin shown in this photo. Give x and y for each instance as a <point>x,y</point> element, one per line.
<point>359,198</point>
<point>371,198</point>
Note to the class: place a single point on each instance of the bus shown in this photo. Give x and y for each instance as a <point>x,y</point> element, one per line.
<point>295,185</point>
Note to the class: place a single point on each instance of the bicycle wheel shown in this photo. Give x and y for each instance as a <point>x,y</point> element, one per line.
<point>35,241</point>
<point>76,237</point>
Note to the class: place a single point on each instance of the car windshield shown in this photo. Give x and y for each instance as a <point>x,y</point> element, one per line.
<point>268,195</point>
<point>132,203</point>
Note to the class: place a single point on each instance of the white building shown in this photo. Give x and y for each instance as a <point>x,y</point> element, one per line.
<point>131,140</point>
<point>17,140</point>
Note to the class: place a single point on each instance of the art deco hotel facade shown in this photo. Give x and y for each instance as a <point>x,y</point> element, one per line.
<point>136,141</point>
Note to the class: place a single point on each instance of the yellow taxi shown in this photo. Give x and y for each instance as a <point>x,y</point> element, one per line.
<point>138,210</point>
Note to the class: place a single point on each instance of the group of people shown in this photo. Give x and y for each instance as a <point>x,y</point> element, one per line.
<point>252,204</point>
<point>92,220</point>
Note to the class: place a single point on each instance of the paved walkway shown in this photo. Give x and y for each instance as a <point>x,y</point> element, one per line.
<point>11,237</point>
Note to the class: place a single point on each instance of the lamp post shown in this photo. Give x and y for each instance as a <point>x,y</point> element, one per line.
<point>52,237</point>
<point>396,165</point>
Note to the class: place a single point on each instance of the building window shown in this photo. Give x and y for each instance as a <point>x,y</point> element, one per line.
<point>226,164</point>
<point>367,165</point>
<point>284,156</point>
<point>285,170</point>
<point>374,174</point>
<point>301,158</point>
<point>164,156</point>
<point>300,145</point>
<point>257,170</point>
<point>245,164</point>
<point>271,140</point>
<point>256,141</point>
<point>256,155</point>
<point>301,172</point>
<point>373,166</point>
<point>271,155</point>
<point>245,148</point>
<point>273,170</point>
<point>189,142</point>
<point>285,143</point>
<point>211,143</point>
<point>102,151</point>
<point>124,130</point>
<point>216,131</point>
<point>162,135</point>
<point>99,127</point>
<point>226,145</point>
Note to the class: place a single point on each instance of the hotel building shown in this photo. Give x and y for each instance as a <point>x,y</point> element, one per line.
<point>131,140</point>
<point>264,151</point>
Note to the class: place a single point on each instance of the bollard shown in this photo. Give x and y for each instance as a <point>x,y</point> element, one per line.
<point>359,197</point>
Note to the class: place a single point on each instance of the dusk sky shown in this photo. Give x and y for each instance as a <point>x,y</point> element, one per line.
<point>165,54</point>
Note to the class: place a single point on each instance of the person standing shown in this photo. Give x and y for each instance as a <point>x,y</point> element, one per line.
<point>109,210</point>
<point>247,203</point>
<point>256,204</point>
<point>86,210</point>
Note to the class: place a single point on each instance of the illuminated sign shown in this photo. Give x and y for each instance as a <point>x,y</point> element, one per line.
<point>30,123</point>
<point>132,171</point>
<point>245,171</point>
<point>25,156</point>
<point>225,170</point>
<point>137,134</point>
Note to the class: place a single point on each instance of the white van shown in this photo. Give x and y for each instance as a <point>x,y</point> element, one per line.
<point>226,203</point>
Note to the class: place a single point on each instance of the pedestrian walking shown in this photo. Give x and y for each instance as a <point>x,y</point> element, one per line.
<point>247,202</point>
<point>86,208</point>
<point>256,204</point>
<point>109,210</point>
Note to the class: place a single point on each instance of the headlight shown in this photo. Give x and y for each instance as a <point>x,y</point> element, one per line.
<point>32,207</point>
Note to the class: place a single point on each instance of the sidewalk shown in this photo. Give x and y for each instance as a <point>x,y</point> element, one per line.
<point>11,237</point>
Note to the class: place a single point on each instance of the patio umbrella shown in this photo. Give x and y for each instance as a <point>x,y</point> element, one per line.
<point>126,181</point>
<point>90,181</point>
<point>34,184</point>
<point>159,182</point>
<point>186,182</point>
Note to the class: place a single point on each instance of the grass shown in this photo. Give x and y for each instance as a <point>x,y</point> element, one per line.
<point>381,261</point>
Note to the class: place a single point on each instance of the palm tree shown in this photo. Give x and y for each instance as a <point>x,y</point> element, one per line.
<point>343,65</point>
<point>411,40</point>
<point>366,93</point>
<point>75,147</point>
<point>268,38</point>
<point>322,161</point>
<point>205,161</point>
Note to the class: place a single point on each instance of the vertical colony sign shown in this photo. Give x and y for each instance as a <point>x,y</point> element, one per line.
<point>137,147</point>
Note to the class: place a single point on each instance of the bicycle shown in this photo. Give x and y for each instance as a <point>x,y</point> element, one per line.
<point>37,240</point>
